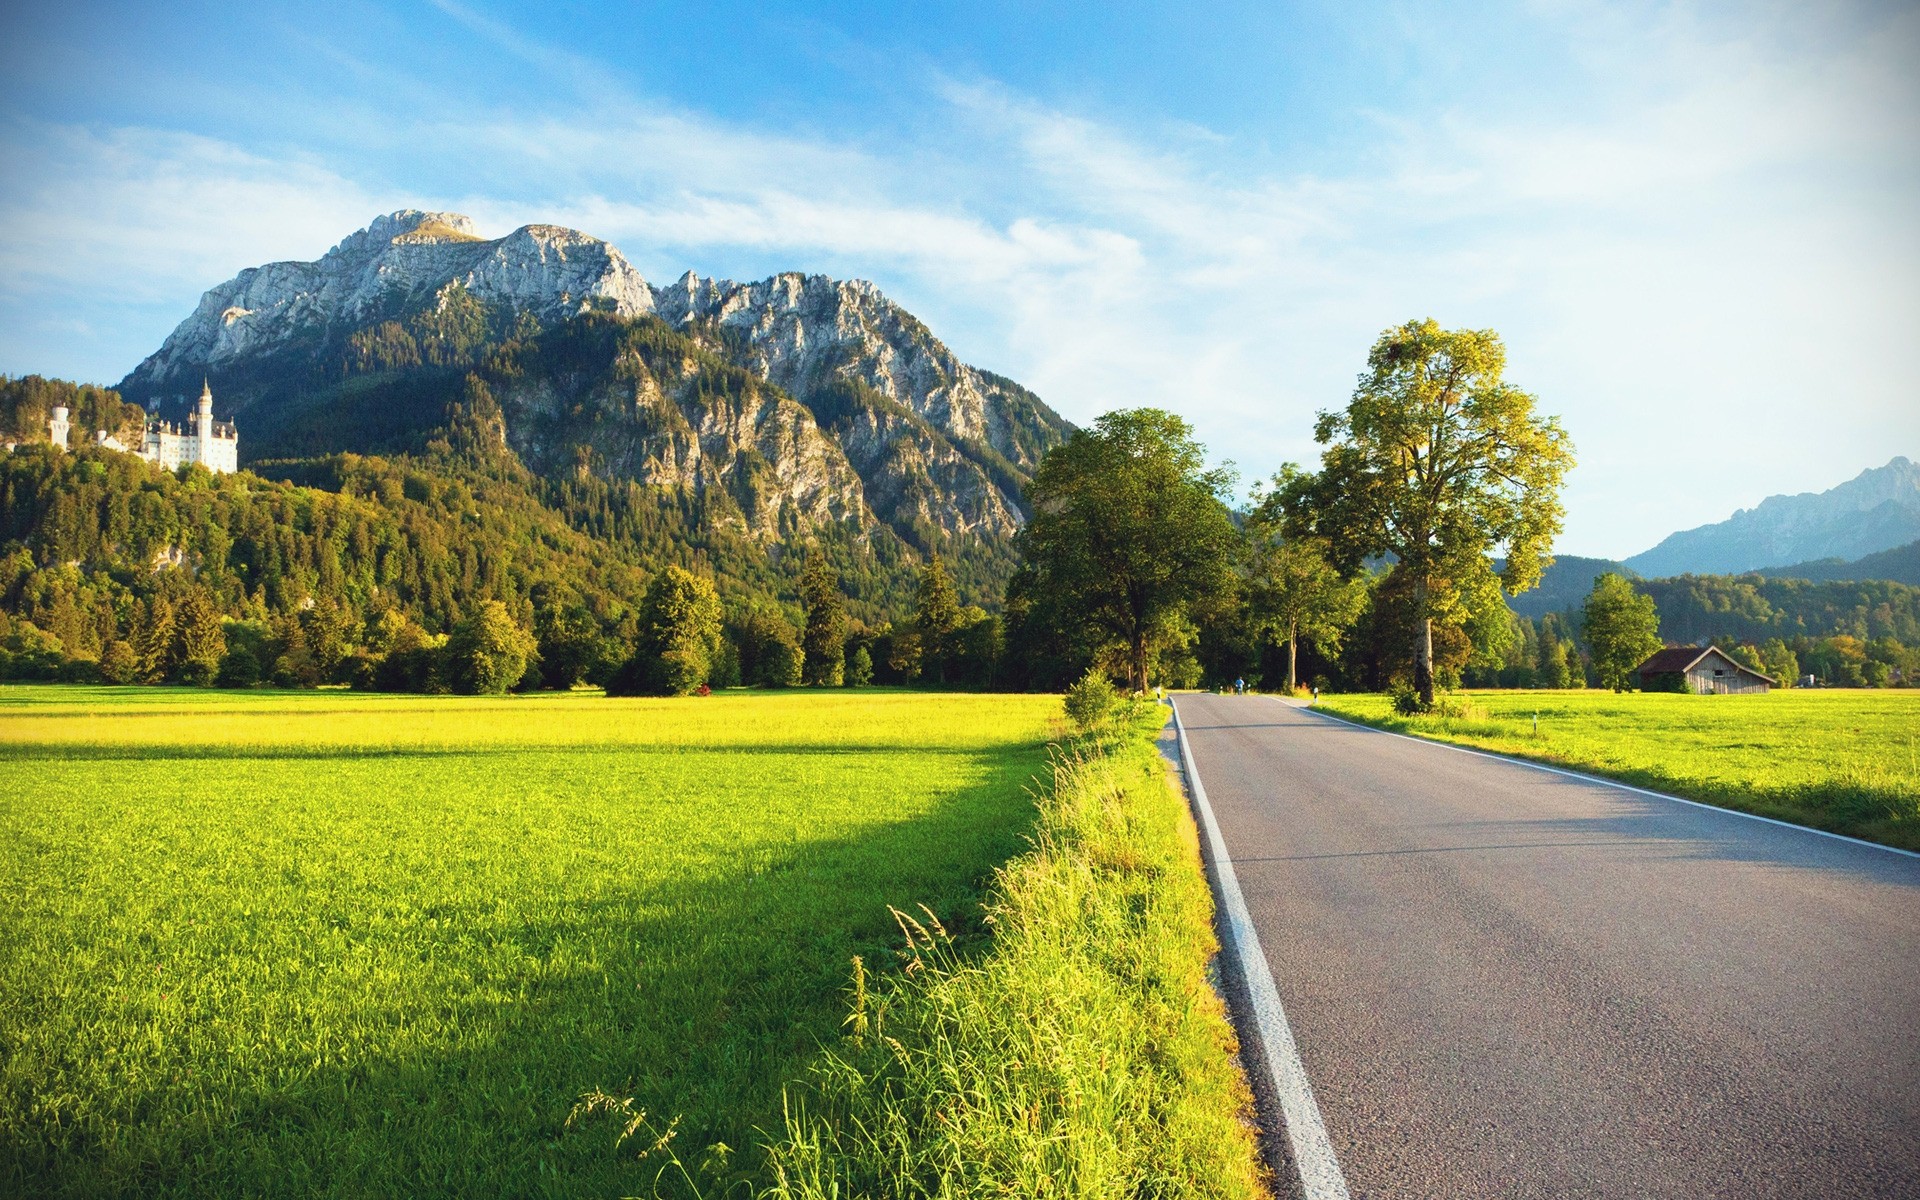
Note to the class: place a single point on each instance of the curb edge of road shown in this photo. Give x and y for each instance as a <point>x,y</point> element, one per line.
<point>1314,1162</point>
<point>1585,777</point>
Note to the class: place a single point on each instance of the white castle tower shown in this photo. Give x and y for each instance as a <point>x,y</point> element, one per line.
<point>203,424</point>
<point>58,427</point>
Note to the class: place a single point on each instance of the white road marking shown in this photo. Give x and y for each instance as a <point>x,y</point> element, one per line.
<point>1313,1156</point>
<point>1585,778</point>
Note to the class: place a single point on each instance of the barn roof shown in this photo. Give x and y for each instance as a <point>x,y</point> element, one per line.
<point>1677,660</point>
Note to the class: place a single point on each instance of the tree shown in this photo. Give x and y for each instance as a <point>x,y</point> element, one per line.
<point>860,667</point>
<point>1130,530</point>
<point>199,641</point>
<point>1293,591</point>
<point>824,644</point>
<point>936,617</point>
<point>679,635</point>
<point>1622,630</point>
<point>487,652</point>
<point>1437,461</point>
<point>1781,663</point>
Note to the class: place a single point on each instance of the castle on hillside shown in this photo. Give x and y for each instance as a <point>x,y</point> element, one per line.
<point>213,444</point>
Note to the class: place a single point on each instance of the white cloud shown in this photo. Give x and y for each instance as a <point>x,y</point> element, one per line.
<point>1721,253</point>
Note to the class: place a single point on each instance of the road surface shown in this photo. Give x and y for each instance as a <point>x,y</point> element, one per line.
<point>1504,982</point>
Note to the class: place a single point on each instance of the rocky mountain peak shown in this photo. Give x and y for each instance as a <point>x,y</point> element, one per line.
<point>1876,510</point>
<point>400,262</point>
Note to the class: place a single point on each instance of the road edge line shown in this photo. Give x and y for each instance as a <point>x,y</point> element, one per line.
<point>1313,1159</point>
<point>1584,777</point>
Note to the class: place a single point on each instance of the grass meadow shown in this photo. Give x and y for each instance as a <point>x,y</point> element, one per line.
<point>1847,761</point>
<point>327,943</point>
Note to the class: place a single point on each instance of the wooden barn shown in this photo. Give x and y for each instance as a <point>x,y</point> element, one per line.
<point>1705,671</point>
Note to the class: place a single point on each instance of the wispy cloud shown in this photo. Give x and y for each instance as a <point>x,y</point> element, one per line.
<point>1721,249</point>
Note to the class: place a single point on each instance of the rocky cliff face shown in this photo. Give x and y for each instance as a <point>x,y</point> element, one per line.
<point>804,399</point>
<point>1876,510</point>
<point>400,263</point>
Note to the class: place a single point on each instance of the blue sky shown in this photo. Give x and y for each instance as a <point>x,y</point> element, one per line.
<point>1693,224</point>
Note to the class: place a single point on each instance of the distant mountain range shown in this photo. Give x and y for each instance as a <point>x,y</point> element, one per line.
<point>783,407</point>
<point>1875,511</point>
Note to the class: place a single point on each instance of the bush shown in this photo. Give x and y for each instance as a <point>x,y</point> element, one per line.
<point>238,668</point>
<point>1091,701</point>
<point>1407,701</point>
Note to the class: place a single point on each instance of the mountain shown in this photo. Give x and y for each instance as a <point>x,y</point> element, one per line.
<point>1900,565</point>
<point>785,407</point>
<point>1876,510</point>
<point>1564,585</point>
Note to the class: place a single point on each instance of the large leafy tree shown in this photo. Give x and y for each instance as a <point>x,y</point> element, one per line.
<point>488,652</point>
<point>1622,628</point>
<point>1437,462</point>
<point>678,638</point>
<point>1130,532</point>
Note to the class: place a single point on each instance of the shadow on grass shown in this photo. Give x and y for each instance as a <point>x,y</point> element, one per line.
<point>703,997</point>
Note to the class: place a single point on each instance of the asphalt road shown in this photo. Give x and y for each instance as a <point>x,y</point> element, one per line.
<point>1505,982</point>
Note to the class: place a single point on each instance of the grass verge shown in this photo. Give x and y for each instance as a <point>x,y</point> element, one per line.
<point>1844,761</point>
<point>1083,1053</point>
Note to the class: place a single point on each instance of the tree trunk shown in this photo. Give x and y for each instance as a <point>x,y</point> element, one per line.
<point>1140,660</point>
<point>1422,646</point>
<point>1293,652</point>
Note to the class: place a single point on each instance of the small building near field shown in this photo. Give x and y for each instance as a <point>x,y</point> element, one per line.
<point>1702,670</point>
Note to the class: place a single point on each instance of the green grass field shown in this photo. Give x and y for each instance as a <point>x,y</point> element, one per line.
<point>338,944</point>
<point>1846,761</point>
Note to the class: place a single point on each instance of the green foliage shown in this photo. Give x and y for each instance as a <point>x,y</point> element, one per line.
<point>488,652</point>
<point>860,667</point>
<point>1130,536</point>
<point>767,645</point>
<point>27,403</point>
<point>1840,761</point>
<point>1622,630</point>
<point>679,636</point>
<point>936,618</point>
<point>1437,461</point>
<point>294,944</point>
<point>824,644</point>
<point>1082,1052</point>
<point>1091,702</point>
<point>1292,589</point>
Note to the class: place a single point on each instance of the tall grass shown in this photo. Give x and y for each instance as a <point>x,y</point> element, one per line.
<point>1081,1053</point>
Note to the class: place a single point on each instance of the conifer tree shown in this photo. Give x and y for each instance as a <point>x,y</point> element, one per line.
<point>824,644</point>
<point>198,640</point>
<point>936,617</point>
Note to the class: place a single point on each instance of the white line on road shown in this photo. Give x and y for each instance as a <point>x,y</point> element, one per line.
<point>1586,778</point>
<point>1313,1156</point>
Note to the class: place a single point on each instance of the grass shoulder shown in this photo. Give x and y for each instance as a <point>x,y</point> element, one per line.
<point>1082,1053</point>
<point>1843,761</point>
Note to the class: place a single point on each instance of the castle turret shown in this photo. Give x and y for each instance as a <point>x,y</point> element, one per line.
<point>57,428</point>
<point>204,426</point>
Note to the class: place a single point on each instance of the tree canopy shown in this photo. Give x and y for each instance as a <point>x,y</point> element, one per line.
<point>1437,462</point>
<point>1130,531</point>
<point>1622,630</point>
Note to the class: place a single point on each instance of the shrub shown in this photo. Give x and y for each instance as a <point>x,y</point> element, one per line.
<point>238,668</point>
<point>1091,701</point>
